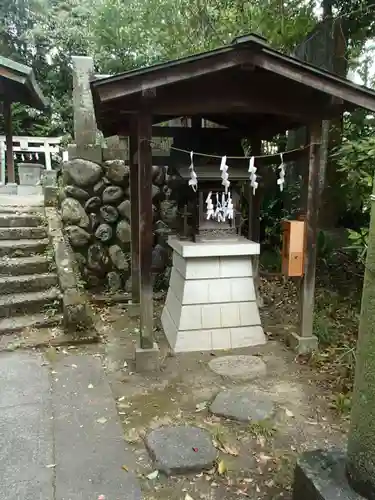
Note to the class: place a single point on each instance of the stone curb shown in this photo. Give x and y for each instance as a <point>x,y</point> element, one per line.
<point>76,312</point>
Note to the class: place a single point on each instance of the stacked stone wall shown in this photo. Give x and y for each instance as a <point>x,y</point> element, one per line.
<point>95,209</point>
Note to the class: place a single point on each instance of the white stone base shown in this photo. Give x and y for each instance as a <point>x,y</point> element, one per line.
<point>9,188</point>
<point>211,302</point>
<point>20,190</point>
<point>29,190</point>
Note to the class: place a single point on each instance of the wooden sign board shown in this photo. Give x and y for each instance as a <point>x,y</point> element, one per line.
<point>293,247</point>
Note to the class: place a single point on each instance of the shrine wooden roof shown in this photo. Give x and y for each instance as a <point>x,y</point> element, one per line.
<point>18,84</point>
<point>246,85</point>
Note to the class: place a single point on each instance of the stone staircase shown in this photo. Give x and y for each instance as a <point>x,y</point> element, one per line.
<point>29,291</point>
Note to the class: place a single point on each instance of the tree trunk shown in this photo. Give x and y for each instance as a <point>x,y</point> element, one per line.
<point>361,442</point>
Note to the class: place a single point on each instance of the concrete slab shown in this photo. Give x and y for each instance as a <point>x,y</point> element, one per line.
<point>27,490</point>
<point>23,379</point>
<point>89,443</point>
<point>26,438</point>
<point>26,443</point>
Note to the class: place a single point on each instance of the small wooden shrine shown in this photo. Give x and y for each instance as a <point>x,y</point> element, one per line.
<point>255,92</point>
<point>17,84</point>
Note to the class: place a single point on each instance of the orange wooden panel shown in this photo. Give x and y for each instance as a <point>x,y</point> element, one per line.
<point>293,247</point>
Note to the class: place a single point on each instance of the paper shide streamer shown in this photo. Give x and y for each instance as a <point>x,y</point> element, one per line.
<point>281,179</point>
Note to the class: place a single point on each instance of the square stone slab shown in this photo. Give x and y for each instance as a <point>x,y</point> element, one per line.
<point>245,405</point>
<point>240,367</point>
<point>181,449</point>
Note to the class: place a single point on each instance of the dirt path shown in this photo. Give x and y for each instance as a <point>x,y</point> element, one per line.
<point>258,459</point>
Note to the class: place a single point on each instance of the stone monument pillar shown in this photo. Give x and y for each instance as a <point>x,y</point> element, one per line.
<point>350,476</point>
<point>86,136</point>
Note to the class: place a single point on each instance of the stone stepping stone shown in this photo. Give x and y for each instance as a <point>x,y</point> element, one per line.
<point>240,367</point>
<point>245,405</point>
<point>181,449</point>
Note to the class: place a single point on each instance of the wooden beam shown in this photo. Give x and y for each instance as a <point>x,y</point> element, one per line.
<point>229,97</point>
<point>166,74</point>
<point>134,213</point>
<point>329,84</point>
<point>9,142</point>
<point>314,182</point>
<point>146,234</point>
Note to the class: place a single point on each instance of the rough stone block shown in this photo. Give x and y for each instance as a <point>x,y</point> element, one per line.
<point>147,359</point>
<point>181,449</point>
<point>30,173</point>
<point>88,152</point>
<point>134,310</point>
<point>321,475</point>
<point>302,345</point>
<point>241,367</point>
<point>75,310</point>
<point>245,405</point>
<point>50,196</point>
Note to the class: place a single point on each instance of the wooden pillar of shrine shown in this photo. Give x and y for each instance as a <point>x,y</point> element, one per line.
<point>134,213</point>
<point>305,341</point>
<point>8,126</point>
<point>144,129</point>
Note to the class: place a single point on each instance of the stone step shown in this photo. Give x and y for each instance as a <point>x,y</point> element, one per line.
<point>35,264</point>
<point>29,282</point>
<point>22,233</point>
<point>20,220</point>
<point>19,323</point>
<point>22,248</point>
<point>31,302</point>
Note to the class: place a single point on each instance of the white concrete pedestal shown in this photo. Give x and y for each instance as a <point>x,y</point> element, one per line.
<point>211,301</point>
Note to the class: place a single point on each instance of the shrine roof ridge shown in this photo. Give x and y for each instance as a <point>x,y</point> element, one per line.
<point>19,84</point>
<point>168,86</point>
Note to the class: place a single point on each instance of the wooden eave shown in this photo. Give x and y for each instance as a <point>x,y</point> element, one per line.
<point>246,85</point>
<point>18,84</point>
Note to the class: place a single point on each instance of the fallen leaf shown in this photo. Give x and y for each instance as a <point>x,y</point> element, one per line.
<point>124,468</point>
<point>261,440</point>
<point>221,467</point>
<point>50,466</point>
<point>225,448</point>
<point>230,450</point>
<point>153,475</point>
<point>264,458</point>
<point>288,413</point>
<point>102,420</point>
<point>201,406</point>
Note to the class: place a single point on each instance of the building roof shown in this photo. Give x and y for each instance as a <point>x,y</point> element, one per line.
<point>247,85</point>
<point>18,84</point>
